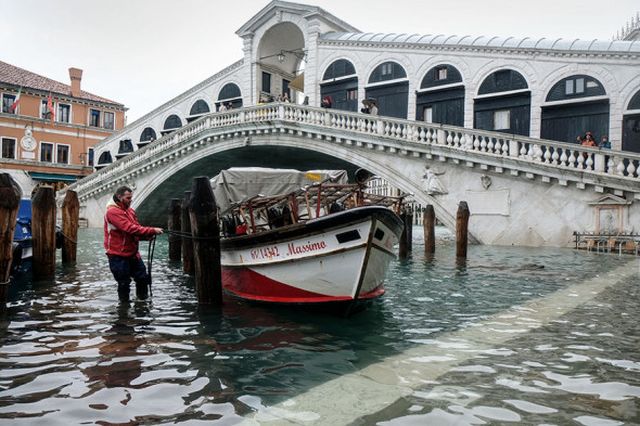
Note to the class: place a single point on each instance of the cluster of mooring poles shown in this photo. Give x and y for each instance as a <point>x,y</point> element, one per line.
<point>43,231</point>
<point>429,226</point>
<point>194,237</point>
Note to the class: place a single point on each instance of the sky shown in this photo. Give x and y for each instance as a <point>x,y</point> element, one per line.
<point>143,53</point>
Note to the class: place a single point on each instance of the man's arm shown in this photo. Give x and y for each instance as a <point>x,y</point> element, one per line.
<point>120,220</point>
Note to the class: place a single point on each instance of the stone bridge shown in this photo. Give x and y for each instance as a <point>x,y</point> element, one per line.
<point>520,190</point>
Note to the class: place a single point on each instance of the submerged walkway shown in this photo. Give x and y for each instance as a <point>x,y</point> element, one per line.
<point>372,389</point>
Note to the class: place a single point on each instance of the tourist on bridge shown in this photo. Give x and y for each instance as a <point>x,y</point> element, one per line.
<point>373,108</point>
<point>122,232</point>
<point>365,107</point>
<point>589,140</point>
<point>370,106</point>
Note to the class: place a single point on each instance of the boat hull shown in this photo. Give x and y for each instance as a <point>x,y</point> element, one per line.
<point>336,258</point>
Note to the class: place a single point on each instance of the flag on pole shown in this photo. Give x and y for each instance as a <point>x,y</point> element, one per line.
<point>15,103</point>
<point>52,112</point>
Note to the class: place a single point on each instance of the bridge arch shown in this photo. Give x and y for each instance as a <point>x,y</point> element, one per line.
<point>388,84</point>
<point>440,97</point>
<point>503,103</point>
<point>574,105</point>
<point>104,159</point>
<point>340,82</point>
<point>199,107</point>
<point>230,93</point>
<point>280,53</point>
<point>171,123</point>
<point>149,202</point>
<point>148,135</point>
<point>631,123</point>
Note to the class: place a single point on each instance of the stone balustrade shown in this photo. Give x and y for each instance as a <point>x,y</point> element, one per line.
<point>547,158</point>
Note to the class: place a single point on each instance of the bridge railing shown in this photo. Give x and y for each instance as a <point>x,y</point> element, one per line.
<point>622,165</point>
<point>556,154</point>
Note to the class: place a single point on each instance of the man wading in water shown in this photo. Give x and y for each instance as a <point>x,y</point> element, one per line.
<point>122,232</point>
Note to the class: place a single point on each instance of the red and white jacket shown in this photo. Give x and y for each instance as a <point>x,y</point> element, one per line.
<point>122,231</point>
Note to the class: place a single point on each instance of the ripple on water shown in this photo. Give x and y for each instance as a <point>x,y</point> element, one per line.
<point>70,354</point>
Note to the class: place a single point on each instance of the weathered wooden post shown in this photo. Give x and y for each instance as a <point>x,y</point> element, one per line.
<point>429,226</point>
<point>206,242</point>
<point>462,224</point>
<point>403,250</point>
<point>175,241</point>
<point>10,194</point>
<point>187,243</point>
<point>70,216</point>
<point>408,225</point>
<point>43,231</point>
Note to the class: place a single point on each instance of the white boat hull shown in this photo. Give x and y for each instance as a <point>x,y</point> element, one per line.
<point>313,264</point>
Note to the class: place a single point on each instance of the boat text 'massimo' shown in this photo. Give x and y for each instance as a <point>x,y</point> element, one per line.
<point>292,249</point>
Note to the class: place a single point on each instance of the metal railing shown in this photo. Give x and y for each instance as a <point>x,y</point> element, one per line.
<point>608,242</point>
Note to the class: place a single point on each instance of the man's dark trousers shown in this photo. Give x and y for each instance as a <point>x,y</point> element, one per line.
<point>125,268</point>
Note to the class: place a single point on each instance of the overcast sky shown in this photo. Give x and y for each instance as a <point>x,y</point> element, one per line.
<point>144,52</point>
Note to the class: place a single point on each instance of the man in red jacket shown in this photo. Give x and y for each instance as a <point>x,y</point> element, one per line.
<point>122,232</point>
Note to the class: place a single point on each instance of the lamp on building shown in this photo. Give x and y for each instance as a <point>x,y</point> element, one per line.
<point>282,55</point>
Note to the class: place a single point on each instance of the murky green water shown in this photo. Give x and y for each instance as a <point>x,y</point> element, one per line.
<point>71,354</point>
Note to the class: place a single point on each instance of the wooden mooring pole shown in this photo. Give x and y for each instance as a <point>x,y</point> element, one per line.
<point>187,243</point>
<point>175,241</point>
<point>408,225</point>
<point>403,245</point>
<point>43,231</point>
<point>429,226</point>
<point>462,225</point>
<point>70,216</point>
<point>206,242</point>
<point>10,194</point>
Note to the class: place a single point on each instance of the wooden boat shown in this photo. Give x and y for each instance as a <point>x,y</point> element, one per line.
<point>22,239</point>
<point>324,243</point>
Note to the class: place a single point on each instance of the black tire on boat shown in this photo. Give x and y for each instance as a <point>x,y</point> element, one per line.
<point>16,260</point>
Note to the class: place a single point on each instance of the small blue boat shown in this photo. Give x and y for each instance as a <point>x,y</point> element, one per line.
<point>22,239</point>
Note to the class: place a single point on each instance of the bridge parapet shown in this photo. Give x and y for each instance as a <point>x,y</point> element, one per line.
<point>600,168</point>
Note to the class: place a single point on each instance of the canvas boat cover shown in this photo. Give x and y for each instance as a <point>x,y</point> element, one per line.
<point>241,183</point>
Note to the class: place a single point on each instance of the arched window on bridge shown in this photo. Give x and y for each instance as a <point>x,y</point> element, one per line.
<point>389,87</point>
<point>503,103</point>
<point>198,109</point>
<point>104,160</point>
<point>171,124</point>
<point>229,94</point>
<point>340,82</point>
<point>631,125</point>
<point>441,96</point>
<point>574,106</point>
<point>148,135</point>
<point>124,148</point>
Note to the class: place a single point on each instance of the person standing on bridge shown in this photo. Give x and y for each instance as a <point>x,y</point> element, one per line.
<point>122,233</point>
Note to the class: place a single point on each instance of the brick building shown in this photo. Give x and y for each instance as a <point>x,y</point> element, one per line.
<point>48,129</point>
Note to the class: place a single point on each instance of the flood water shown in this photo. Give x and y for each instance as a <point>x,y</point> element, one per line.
<point>70,353</point>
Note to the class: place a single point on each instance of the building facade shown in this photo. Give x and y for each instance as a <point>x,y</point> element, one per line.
<point>48,129</point>
<point>550,89</point>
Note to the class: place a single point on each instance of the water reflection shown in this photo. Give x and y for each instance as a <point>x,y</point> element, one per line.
<point>120,352</point>
<point>70,353</point>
